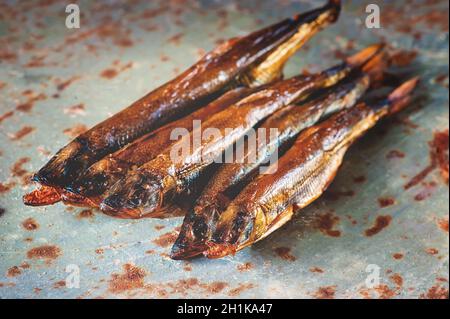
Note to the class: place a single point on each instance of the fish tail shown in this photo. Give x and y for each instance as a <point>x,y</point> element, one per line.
<point>366,58</point>
<point>401,96</point>
<point>332,8</point>
<point>304,27</point>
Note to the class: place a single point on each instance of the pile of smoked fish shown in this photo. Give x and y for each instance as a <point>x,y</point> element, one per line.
<point>131,166</point>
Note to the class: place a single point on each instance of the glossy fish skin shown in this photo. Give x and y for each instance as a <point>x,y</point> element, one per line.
<point>149,187</point>
<point>303,174</point>
<point>198,224</point>
<point>105,173</point>
<point>195,87</point>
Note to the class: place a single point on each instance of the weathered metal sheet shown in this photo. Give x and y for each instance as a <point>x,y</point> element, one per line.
<point>54,82</point>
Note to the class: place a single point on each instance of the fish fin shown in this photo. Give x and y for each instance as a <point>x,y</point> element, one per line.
<point>401,96</point>
<point>363,57</point>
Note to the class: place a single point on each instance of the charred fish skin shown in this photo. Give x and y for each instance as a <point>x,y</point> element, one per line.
<point>143,191</point>
<point>195,87</point>
<point>303,174</point>
<point>105,173</point>
<point>198,224</point>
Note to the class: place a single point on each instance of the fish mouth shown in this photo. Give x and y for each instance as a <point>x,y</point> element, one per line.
<point>45,195</point>
<point>187,251</point>
<point>217,250</point>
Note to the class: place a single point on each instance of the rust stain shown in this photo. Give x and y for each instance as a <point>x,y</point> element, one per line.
<point>45,252</point>
<point>245,267</point>
<point>114,71</point>
<point>14,271</point>
<point>327,292</point>
<point>32,97</point>
<point>443,224</point>
<point>381,222</point>
<point>439,158</point>
<point>77,109</point>
<point>30,224</point>
<point>59,284</point>
<point>386,201</point>
<point>385,292</point>
<point>6,115</point>
<point>432,251</point>
<point>17,170</point>
<point>436,292</point>
<point>21,133</point>
<point>176,39</point>
<point>398,256</point>
<point>86,213</point>
<point>326,223</point>
<point>4,188</point>
<point>241,288</point>
<point>395,154</point>
<point>316,270</point>
<point>397,279</point>
<point>285,253</point>
<point>166,239</point>
<point>62,85</point>
<point>131,278</point>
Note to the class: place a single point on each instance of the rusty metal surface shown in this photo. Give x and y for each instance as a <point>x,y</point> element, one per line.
<point>55,82</point>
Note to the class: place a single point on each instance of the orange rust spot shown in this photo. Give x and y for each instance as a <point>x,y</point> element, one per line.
<point>17,170</point>
<point>439,158</point>
<point>432,251</point>
<point>326,223</point>
<point>398,256</point>
<point>131,278</point>
<point>443,224</point>
<point>316,270</point>
<point>241,288</point>
<point>381,222</point>
<point>285,253</point>
<point>386,201</point>
<point>86,213</point>
<point>21,133</point>
<point>327,292</point>
<point>245,267</point>
<point>436,292</point>
<point>30,224</point>
<point>14,271</point>
<point>46,252</point>
<point>166,239</point>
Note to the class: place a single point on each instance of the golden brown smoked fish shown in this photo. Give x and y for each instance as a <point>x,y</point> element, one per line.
<point>198,224</point>
<point>235,61</point>
<point>151,185</point>
<point>96,180</point>
<point>303,173</point>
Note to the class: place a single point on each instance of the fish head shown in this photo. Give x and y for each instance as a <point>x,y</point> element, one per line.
<point>195,231</point>
<point>139,195</point>
<point>236,228</point>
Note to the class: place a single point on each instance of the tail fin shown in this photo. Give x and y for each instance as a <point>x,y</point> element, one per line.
<point>375,68</point>
<point>363,57</point>
<point>401,96</point>
<point>367,57</point>
<point>332,6</point>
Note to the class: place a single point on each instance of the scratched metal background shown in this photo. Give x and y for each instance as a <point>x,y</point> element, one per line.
<point>124,50</point>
